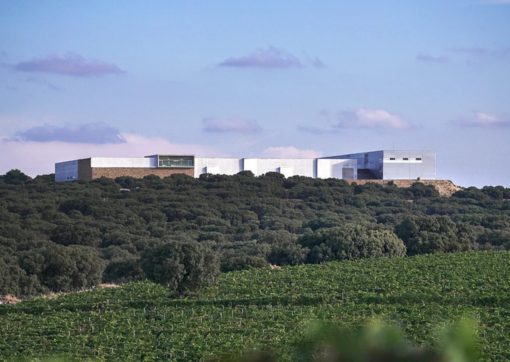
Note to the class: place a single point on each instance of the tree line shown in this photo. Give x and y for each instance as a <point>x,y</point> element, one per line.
<point>182,232</point>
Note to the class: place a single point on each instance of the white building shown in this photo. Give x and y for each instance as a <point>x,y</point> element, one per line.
<point>396,165</point>
<point>166,165</point>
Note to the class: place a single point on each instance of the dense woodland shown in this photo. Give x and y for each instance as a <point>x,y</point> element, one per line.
<point>182,232</point>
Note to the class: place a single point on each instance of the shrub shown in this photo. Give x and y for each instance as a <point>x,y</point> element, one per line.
<point>431,234</point>
<point>181,266</point>
<point>75,234</point>
<point>15,177</point>
<point>60,268</point>
<point>351,241</point>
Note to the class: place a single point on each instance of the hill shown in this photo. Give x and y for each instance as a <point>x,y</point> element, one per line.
<point>269,309</point>
<point>59,237</point>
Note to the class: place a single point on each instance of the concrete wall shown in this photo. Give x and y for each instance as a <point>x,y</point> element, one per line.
<point>396,165</point>
<point>223,166</point>
<point>409,165</point>
<point>288,166</point>
<point>372,161</point>
<point>259,166</point>
<point>66,171</point>
<point>124,162</point>
<point>336,168</point>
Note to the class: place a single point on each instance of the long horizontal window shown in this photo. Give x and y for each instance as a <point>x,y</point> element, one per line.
<point>165,161</point>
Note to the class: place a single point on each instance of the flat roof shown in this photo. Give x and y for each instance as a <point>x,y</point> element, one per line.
<point>167,155</point>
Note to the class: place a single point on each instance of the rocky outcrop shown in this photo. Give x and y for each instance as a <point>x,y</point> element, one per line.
<point>444,187</point>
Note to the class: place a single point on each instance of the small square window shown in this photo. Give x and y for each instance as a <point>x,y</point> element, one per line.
<point>406,159</point>
<point>392,158</point>
<point>418,158</point>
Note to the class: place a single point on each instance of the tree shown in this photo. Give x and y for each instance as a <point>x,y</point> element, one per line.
<point>497,239</point>
<point>13,280</point>
<point>75,234</point>
<point>181,266</point>
<point>327,220</point>
<point>418,189</point>
<point>432,234</point>
<point>122,266</point>
<point>15,177</point>
<point>351,241</point>
<point>496,193</point>
<point>60,268</point>
<point>287,253</point>
<point>246,173</point>
<point>89,267</point>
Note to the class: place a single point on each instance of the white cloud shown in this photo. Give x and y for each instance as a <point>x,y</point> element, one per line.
<point>37,158</point>
<point>271,57</point>
<point>485,120</point>
<point>289,152</point>
<point>371,119</point>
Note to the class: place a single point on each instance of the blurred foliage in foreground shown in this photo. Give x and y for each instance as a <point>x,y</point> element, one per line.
<point>376,342</point>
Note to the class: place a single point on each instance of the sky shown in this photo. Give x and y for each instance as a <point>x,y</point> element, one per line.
<point>257,79</point>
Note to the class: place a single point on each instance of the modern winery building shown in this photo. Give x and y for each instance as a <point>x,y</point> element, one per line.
<point>387,165</point>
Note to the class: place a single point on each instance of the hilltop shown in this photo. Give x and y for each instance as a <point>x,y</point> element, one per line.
<point>59,237</point>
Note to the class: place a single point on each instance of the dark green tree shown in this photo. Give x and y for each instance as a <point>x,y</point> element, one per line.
<point>351,241</point>
<point>60,268</point>
<point>13,279</point>
<point>76,234</point>
<point>182,266</point>
<point>15,177</point>
<point>431,234</point>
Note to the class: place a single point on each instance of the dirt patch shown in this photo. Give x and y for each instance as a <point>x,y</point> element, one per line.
<point>445,188</point>
<point>9,299</point>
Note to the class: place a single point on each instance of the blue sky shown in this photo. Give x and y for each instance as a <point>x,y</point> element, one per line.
<point>264,78</point>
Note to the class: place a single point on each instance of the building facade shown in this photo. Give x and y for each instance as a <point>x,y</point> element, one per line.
<point>394,165</point>
<point>376,165</point>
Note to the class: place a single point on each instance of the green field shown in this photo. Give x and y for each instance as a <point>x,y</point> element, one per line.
<point>268,309</point>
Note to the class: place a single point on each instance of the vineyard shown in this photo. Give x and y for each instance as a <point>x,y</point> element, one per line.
<point>267,309</point>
